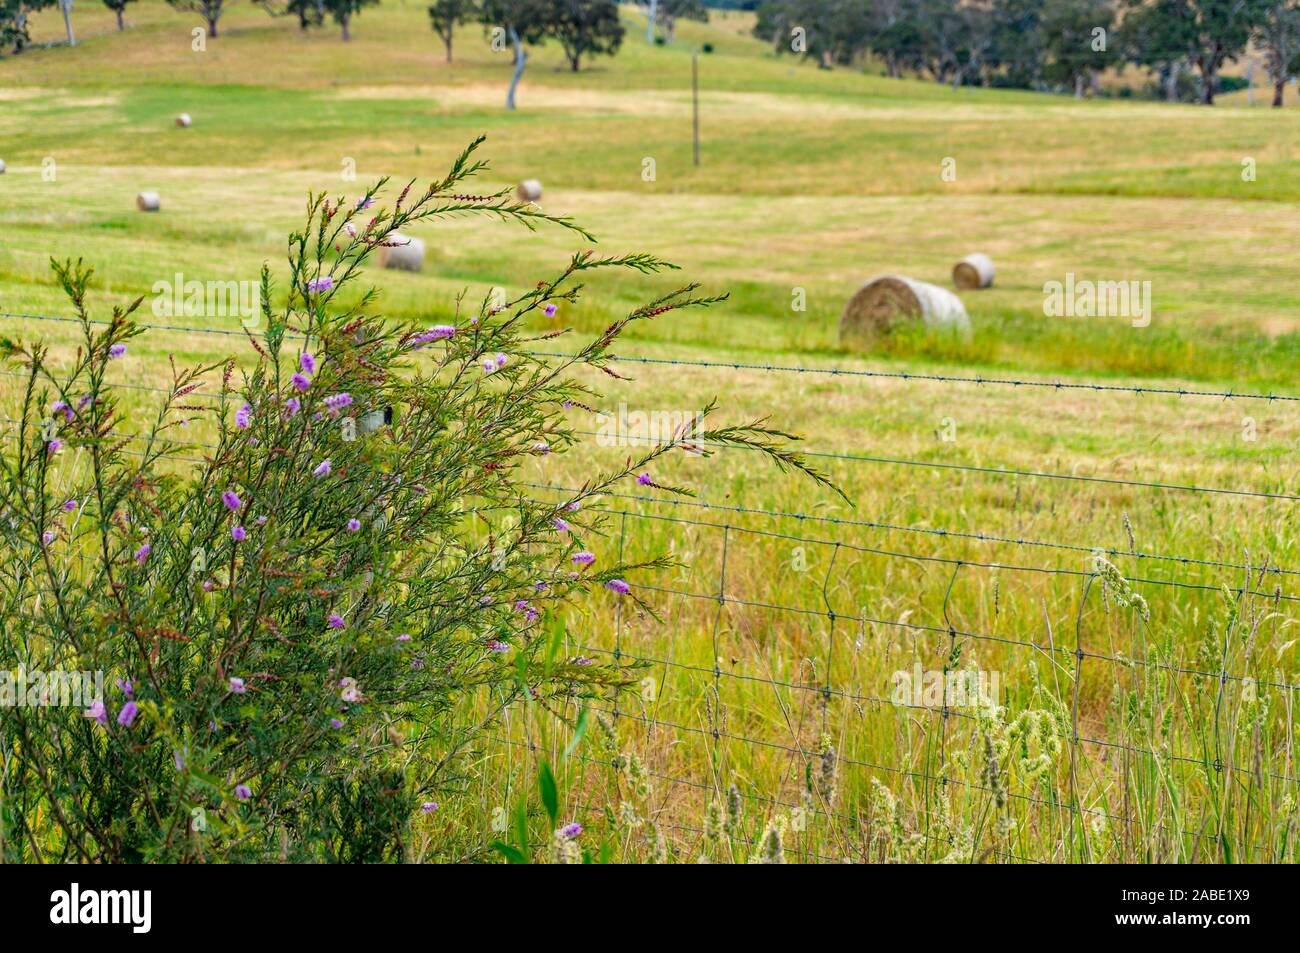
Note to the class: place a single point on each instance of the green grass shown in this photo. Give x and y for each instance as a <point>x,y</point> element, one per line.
<point>810,180</point>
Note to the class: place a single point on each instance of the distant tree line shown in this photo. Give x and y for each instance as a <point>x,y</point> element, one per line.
<point>1043,44</point>
<point>583,28</point>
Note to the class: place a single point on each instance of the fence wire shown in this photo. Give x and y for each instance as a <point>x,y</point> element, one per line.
<point>710,681</point>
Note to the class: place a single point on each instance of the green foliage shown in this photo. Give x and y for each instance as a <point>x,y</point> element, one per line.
<point>584,28</point>
<point>210,10</point>
<point>306,627</point>
<point>446,15</point>
<point>310,13</point>
<point>15,22</point>
<point>344,10</point>
<point>119,8</point>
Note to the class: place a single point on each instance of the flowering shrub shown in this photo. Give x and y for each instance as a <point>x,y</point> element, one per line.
<point>292,628</point>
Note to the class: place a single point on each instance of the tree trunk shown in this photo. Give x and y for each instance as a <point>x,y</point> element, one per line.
<point>1078,86</point>
<point>521,60</point>
<point>66,7</point>
<point>650,21</point>
<point>212,27</point>
<point>573,61</point>
<point>1279,88</point>
<point>670,27</point>
<point>1171,83</point>
<point>447,41</point>
<point>343,22</point>
<point>120,24</point>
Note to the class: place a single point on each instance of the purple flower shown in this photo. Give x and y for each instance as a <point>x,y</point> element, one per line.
<point>583,558</point>
<point>117,350</point>
<point>560,525</point>
<point>428,807</point>
<point>237,685</point>
<point>354,525</point>
<point>645,480</point>
<point>439,332</point>
<point>60,406</point>
<point>125,687</point>
<point>323,283</point>
<point>336,402</point>
<point>495,646</point>
<point>336,621</point>
<point>243,792</point>
<point>241,417</point>
<point>322,470</point>
<point>238,534</point>
<point>489,365</point>
<point>69,506</point>
<point>126,717</point>
<point>550,310</point>
<point>336,722</point>
<point>98,712</point>
<point>403,637</point>
<point>542,447</point>
<point>500,360</point>
<point>299,382</point>
<point>54,446</point>
<point>574,506</point>
<point>142,554</point>
<point>261,521</point>
<point>292,405</point>
<point>521,605</point>
<point>582,660</point>
<point>364,203</point>
<point>307,363</point>
<point>571,830</point>
<point>232,501</point>
<point>619,586</point>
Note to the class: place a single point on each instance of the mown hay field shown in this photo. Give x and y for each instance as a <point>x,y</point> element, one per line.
<point>1145,734</point>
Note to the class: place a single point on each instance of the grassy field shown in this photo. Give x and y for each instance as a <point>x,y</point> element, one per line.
<point>810,181</point>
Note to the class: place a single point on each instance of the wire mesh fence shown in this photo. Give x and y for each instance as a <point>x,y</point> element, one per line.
<point>1114,704</point>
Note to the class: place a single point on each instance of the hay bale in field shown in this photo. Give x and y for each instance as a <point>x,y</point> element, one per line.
<point>973,272</point>
<point>893,300</point>
<point>406,255</point>
<point>148,201</point>
<point>529,190</point>
<point>2,166</point>
<point>184,120</point>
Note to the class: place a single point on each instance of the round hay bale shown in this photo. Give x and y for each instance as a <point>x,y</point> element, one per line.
<point>148,201</point>
<point>973,272</point>
<point>529,190</point>
<point>407,255</point>
<point>890,301</point>
<point>2,166</point>
<point>184,120</point>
